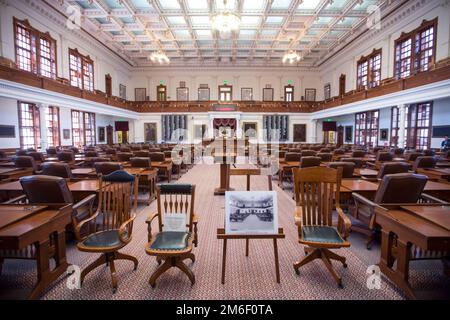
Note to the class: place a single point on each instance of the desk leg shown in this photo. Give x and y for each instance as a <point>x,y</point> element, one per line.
<point>269,178</point>
<point>277,264</point>
<point>247,244</point>
<point>248,182</point>
<point>224,259</point>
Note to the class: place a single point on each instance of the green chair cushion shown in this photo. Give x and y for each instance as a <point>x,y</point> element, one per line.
<point>322,234</point>
<point>109,238</point>
<point>171,240</point>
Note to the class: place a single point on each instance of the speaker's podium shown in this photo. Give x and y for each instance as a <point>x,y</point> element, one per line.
<point>225,157</point>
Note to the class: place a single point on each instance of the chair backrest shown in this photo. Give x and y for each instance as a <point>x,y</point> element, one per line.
<point>51,151</point>
<point>176,198</point>
<point>348,168</point>
<point>142,154</point>
<point>168,154</point>
<point>308,153</point>
<point>117,200</point>
<point>46,189</point>
<point>357,162</point>
<point>325,156</point>
<point>125,149</point>
<point>124,156</point>
<point>412,156</point>
<point>110,151</point>
<point>398,151</point>
<point>384,156</point>
<point>25,162</point>
<point>91,154</point>
<point>105,168</point>
<point>424,162</point>
<point>339,151</point>
<point>392,188</point>
<point>295,150</point>
<point>21,152</point>
<point>292,156</point>
<point>392,168</point>
<point>315,190</point>
<point>307,162</point>
<point>140,162</point>
<point>136,147</point>
<point>38,156</point>
<point>429,153</point>
<point>67,156</point>
<point>358,154</point>
<point>157,156</point>
<point>75,150</point>
<point>56,169</point>
<point>325,150</point>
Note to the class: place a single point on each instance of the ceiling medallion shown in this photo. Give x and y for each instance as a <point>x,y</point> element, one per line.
<point>225,22</point>
<point>159,57</point>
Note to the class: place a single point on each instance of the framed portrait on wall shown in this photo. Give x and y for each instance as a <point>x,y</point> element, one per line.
<point>150,132</point>
<point>299,132</point>
<point>66,134</point>
<point>384,134</point>
<point>251,212</point>
<point>246,94</point>
<point>101,134</point>
<point>310,94</point>
<point>349,134</point>
<point>140,94</point>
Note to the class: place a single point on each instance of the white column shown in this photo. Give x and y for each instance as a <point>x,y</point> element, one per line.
<point>401,125</point>
<point>312,137</point>
<point>43,123</point>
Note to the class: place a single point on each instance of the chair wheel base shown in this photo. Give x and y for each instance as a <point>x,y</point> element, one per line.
<point>345,265</point>
<point>297,271</point>
<point>340,286</point>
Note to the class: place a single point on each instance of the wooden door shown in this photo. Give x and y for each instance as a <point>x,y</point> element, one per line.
<point>340,136</point>
<point>108,85</point>
<point>109,135</point>
<point>342,85</point>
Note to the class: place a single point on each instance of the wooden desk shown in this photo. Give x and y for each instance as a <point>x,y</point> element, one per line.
<point>250,172</point>
<point>442,174</point>
<point>165,167</point>
<point>409,229</point>
<point>365,172</point>
<point>151,176</point>
<point>34,228</point>
<point>80,172</point>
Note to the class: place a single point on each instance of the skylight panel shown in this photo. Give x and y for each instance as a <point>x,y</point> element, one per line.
<point>169,4</point>
<point>203,33</point>
<point>141,4</point>
<point>176,20</point>
<point>281,4</point>
<point>250,20</point>
<point>247,32</point>
<point>308,5</point>
<point>197,4</point>
<point>274,20</point>
<point>231,5</point>
<point>253,5</point>
<point>114,4</point>
<point>200,20</point>
<point>336,5</point>
<point>182,33</point>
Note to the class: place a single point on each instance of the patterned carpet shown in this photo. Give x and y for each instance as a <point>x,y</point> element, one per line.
<point>250,277</point>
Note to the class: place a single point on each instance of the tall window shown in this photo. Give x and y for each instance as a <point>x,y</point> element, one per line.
<point>369,71</point>
<point>395,126</point>
<point>289,93</point>
<point>415,51</point>
<point>52,123</point>
<point>83,128</point>
<point>327,91</point>
<point>29,125</point>
<point>418,122</point>
<point>81,70</point>
<point>366,128</point>
<point>35,51</point>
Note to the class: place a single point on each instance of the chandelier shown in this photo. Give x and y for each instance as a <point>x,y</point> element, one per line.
<point>225,22</point>
<point>291,56</point>
<point>159,57</point>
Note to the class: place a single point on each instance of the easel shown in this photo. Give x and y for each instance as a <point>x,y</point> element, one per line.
<point>221,235</point>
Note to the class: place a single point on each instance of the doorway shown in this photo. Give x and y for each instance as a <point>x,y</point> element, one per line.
<point>342,80</point>
<point>108,85</point>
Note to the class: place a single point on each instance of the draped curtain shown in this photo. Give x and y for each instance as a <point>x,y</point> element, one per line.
<point>217,123</point>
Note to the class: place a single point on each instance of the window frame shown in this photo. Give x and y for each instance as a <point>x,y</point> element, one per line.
<point>161,92</point>
<point>35,126</point>
<point>36,56</point>
<point>372,77</point>
<point>52,129</point>
<point>416,56</point>
<point>289,93</point>
<point>327,91</point>
<point>81,131</point>
<point>395,126</point>
<point>366,129</point>
<point>85,62</point>
<point>226,92</point>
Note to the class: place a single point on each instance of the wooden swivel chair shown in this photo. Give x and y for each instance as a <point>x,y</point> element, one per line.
<point>25,162</point>
<point>111,226</point>
<point>105,168</point>
<point>310,161</point>
<point>56,169</point>
<point>124,156</point>
<point>325,157</point>
<point>424,162</point>
<point>317,193</point>
<point>173,246</point>
<point>348,168</point>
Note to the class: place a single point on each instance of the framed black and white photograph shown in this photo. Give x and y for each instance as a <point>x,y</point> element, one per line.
<point>66,134</point>
<point>246,94</point>
<point>310,94</point>
<point>384,133</point>
<point>251,212</point>
<point>101,134</point>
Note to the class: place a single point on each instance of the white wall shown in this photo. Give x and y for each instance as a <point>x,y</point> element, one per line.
<point>441,117</point>
<point>9,117</point>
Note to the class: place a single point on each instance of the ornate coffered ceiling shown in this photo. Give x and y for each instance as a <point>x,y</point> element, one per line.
<point>268,29</point>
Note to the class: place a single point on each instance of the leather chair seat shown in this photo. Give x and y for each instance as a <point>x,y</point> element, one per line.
<point>321,234</point>
<point>171,240</point>
<point>108,238</point>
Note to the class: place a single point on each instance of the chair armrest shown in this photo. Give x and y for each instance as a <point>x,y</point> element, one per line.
<point>151,217</point>
<point>360,199</point>
<point>195,219</point>
<point>88,200</point>
<point>344,223</point>
<point>433,199</point>
<point>77,227</point>
<point>123,229</point>
<point>16,199</point>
